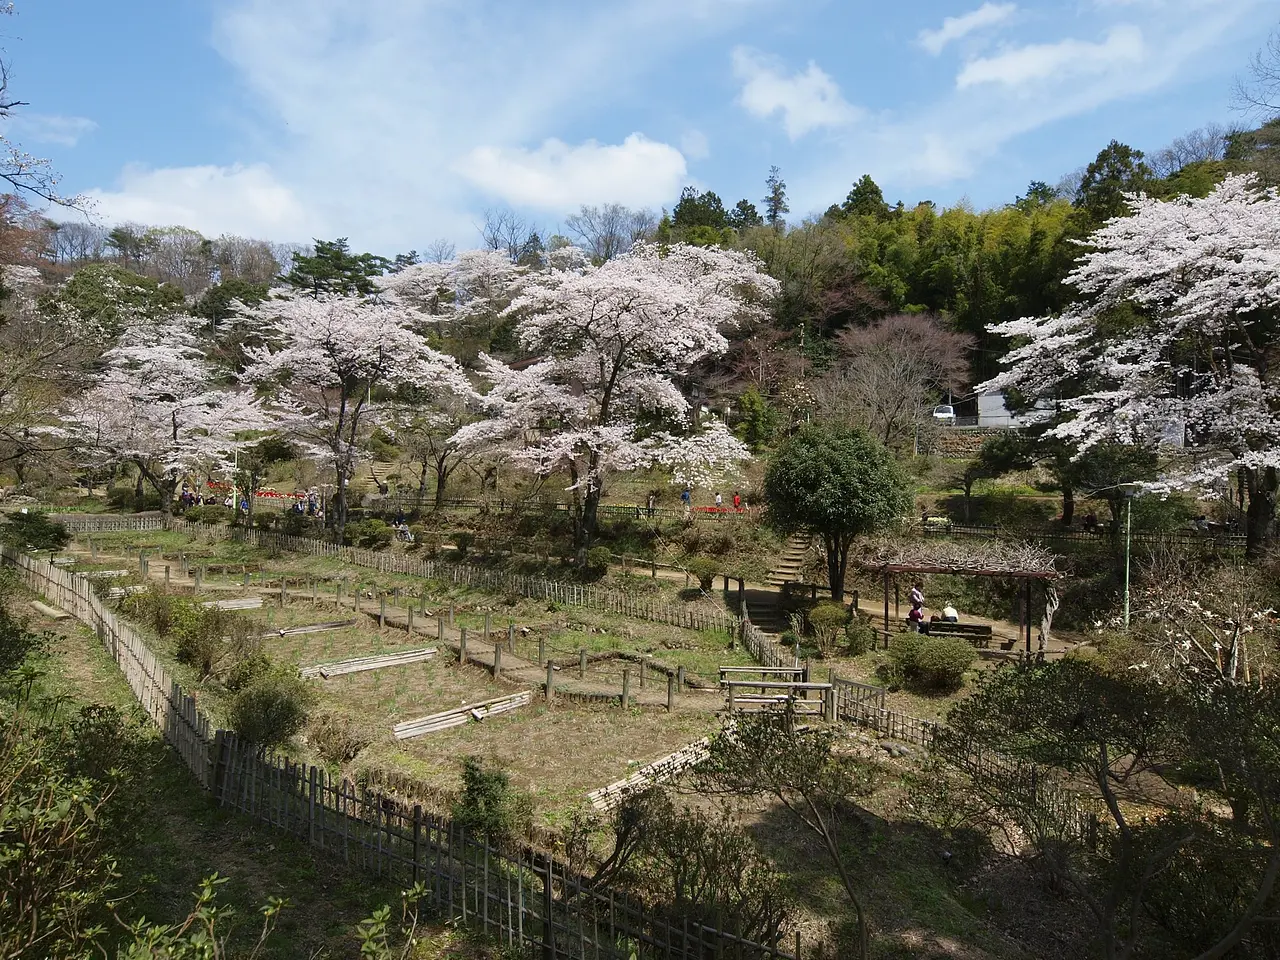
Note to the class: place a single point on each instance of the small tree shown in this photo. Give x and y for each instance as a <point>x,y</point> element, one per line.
<point>764,755</point>
<point>838,485</point>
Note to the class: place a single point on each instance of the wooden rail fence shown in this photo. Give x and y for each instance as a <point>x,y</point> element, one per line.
<point>520,897</point>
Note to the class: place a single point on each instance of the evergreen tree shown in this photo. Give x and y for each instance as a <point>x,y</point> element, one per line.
<point>333,268</point>
<point>744,215</point>
<point>775,201</point>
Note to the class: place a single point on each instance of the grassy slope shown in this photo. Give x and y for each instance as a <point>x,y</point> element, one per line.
<point>187,838</point>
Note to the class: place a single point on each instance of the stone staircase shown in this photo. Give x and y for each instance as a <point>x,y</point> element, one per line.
<point>792,561</point>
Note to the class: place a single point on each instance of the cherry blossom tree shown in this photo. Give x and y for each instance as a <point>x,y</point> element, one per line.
<point>610,339</point>
<point>1176,325</point>
<point>158,406</point>
<point>469,290</point>
<point>327,361</point>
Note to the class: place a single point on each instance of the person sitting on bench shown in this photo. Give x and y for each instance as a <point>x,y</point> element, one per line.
<point>950,614</point>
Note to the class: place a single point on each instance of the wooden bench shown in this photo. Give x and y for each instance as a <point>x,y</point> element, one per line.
<point>979,634</point>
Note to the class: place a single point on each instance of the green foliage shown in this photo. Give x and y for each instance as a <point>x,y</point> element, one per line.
<point>934,664</point>
<point>699,210</point>
<point>462,541</point>
<point>865,199</point>
<point>214,304</point>
<point>596,563</point>
<point>202,935</point>
<point>758,420</point>
<point>336,738</point>
<point>860,636</point>
<point>208,513</point>
<point>489,806</point>
<point>272,707</point>
<point>106,297</point>
<point>333,268</point>
<point>834,483</point>
<point>373,534</point>
<point>33,531</point>
<point>828,622</point>
<point>1118,169</point>
<point>704,570</point>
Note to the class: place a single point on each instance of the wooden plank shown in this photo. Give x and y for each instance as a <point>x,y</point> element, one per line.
<point>310,628</point>
<point>239,603</point>
<point>608,797</point>
<point>359,664</point>
<point>460,715</point>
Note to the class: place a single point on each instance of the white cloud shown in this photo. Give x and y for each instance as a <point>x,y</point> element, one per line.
<point>1039,61</point>
<point>807,100</point>
<point>247,200</point>
<point>48,128</point>
<point>556,176</point>
<point>953,28</point>
<point>695,145</point>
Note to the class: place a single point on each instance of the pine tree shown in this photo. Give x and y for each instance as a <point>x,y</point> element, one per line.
<point>775,202</point>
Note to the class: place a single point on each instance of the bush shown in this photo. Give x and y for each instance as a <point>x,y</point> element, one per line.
<point>462,541</point>
<point>860,636</point>
<point>931,663</point>
<point>272,708</point>
<point>828,621</point>
<point>372,534</point>
<point>207,513</point>
<point>34,531</point>
<point>704,569</point>
<point>489,806</point>
<point>596,564</point>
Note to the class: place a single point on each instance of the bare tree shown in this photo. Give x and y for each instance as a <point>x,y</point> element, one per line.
<point>1261,93</point>
<point>179,256</point>
<point>888,373</point>
<point>1207,143</point>
<point>242,258</point>
<point>439,251</point>
<point>507,231</point>
<point>610,229</point>
<point>76,242</point>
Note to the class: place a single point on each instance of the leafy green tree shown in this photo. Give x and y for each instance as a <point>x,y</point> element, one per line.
<point>744,216</point>
<point>865,199</point>
<point>1118,169</point>
<point>837,485</point>
<point>775,200</point>
<point>107,298</point>
<point>1122,729</point>
<point>1039,194</point>
<point>333,268</point>
<point>758,421</point>
<point>699,210</point>
<point>765,755</point>
<point>214,304</point>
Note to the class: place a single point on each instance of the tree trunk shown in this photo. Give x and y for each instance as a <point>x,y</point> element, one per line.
<point>968,498</point>
<point>1261,514</point>
<point>1068,504</point>
<point>590,517</point>
<point>442,478</point>
<point>340,505</point>
<point>837,563</point>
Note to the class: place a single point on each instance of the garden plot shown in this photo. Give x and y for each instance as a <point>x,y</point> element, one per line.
<point>558,752</point>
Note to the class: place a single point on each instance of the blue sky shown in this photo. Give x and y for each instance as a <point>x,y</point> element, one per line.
<point>397,122</point>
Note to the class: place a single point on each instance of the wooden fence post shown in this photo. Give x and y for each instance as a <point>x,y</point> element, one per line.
<point>409,627</point>
<point>511,637</point>
<point>462,646</point>
<point>582,663</point>
<point>451,614</point>
<point>284,591</point>
<point>497,661</point>
<point>680,678</point>
<point>542,650</point>
<point>166,576</point>
<point>488,625</point>
<point>382,610</point>
<point>551,682</point>
<point>671,692</point>
<point>643,664</point>
<point>626,687</point>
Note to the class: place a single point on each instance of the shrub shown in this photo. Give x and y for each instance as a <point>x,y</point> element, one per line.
<point>828,621</point>
<point>462,541</point>
<point>247,669</point>
<point>931,663</point>
<point>788,638</point>
<point>489,806</point>
<point>860,636</point>
<point>372,534</point>
<point>704,569</point>
<point>207,513</point>
<point>272,708</point>
<point>596,563</point>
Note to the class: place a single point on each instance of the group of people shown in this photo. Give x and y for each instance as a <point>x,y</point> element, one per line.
<point>308,505</point>
<point>686,499</point>
<point>915,619</point>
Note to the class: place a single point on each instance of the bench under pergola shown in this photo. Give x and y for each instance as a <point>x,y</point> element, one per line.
<point>1024,562</point>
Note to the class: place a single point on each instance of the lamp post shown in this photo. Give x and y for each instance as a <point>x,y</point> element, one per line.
<point>1130,490</point>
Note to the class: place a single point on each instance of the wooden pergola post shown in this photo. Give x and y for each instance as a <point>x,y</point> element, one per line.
<point>1026,606</point>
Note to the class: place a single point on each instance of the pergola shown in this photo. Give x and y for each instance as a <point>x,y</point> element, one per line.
<point>1025,562</point>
